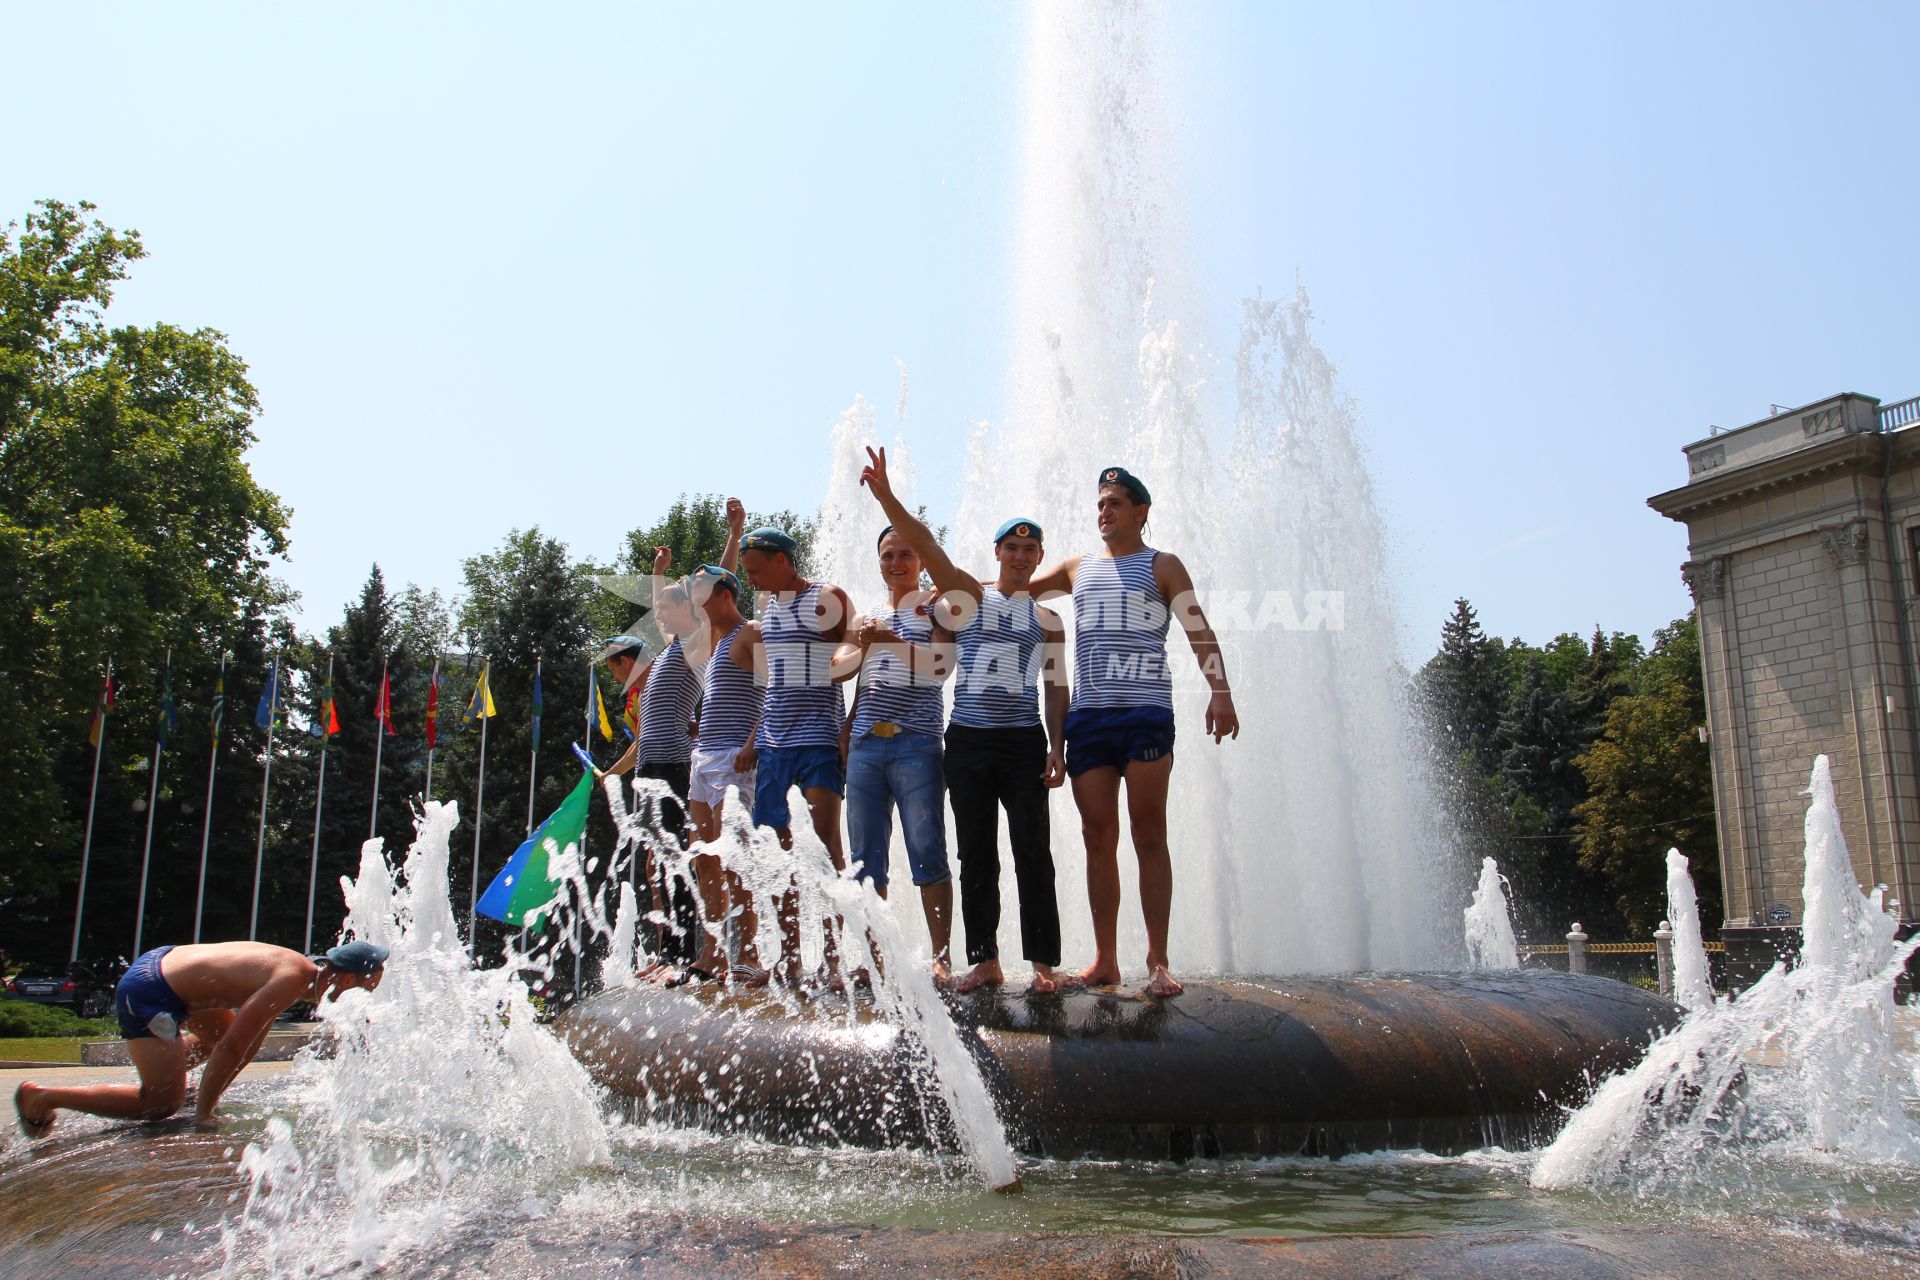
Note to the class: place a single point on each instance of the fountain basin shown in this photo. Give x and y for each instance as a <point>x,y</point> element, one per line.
<point>1287,1066</point>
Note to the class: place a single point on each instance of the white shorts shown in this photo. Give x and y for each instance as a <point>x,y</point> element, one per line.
<point>710,773</point>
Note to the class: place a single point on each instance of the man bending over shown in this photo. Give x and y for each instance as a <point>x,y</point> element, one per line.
<point>212,1003</point>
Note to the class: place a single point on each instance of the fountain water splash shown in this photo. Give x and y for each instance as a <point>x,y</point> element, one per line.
<point>1489,927</point>
<point>1333,860</point>
<point>1804,1063</point>
<point>443,1094</point>
<point>1692,983</point>
<point>846,917</point>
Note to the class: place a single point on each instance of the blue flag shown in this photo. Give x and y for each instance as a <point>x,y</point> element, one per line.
<point>537,707</point>
<point>269,707</point>
<point>168,721</point>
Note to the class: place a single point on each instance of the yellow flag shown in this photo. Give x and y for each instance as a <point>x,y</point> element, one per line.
<point>481,706</point>
<point>600,705</point>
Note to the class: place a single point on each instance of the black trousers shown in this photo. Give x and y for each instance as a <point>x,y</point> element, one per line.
<point>989,770</point>
<point>678,943</point>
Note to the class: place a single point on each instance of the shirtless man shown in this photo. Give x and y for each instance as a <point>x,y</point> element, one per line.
<point>212,1003</point>
<point>1120,720</point>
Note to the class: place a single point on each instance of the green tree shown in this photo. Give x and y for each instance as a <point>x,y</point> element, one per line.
<point>1463,689</point>
<point>529,600</point>
<point>129,525</point>
<point>694,529</point>
<point>1650,784</point>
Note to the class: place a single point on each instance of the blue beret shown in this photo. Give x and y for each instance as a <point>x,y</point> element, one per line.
<point>357,957</point>
<point>1128,481</point>
<point>769,539</point>
<point>1020,526</point>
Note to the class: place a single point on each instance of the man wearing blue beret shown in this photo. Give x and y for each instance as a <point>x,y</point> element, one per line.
<point>209,1002</point>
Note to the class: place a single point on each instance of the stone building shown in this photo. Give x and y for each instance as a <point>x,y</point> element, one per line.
<point>1803,535</point>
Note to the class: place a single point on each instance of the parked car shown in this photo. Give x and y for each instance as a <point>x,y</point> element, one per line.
<point>73,990</point>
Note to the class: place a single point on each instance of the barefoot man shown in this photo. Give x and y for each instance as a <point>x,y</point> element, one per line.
<point>662,700</point>
<point>893,761</point>
<point>799,742</point>
<point>731,701</point>
<point>998,754</point>
<point>1120,719</point>
<point>212,1003</point>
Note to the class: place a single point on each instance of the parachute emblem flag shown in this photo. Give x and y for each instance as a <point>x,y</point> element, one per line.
<point>523,893</point>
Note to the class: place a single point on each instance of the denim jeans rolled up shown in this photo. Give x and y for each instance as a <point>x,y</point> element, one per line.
<point>904,773</point>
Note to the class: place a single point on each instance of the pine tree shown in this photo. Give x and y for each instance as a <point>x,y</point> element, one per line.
<point>1463,688</point>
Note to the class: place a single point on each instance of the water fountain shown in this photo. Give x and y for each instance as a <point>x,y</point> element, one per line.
<point>450,1132</point>
<point>1489,925</point>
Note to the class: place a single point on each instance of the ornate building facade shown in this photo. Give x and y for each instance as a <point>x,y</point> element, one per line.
<point>1803,537</point>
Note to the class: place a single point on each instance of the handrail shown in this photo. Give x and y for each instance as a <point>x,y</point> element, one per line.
<point>1901,414</point>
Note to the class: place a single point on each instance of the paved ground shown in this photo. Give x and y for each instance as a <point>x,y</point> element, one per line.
<point>11,1074</point>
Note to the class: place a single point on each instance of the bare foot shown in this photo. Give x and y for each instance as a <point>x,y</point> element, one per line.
<point>1047,982</point>
<point>745,975</point>
<point>985,974</point>
<point>1162,983</point>
<point>1100,974</point>
<point>34,1122</point>
<point>942,975</point>
<point>646,971</point>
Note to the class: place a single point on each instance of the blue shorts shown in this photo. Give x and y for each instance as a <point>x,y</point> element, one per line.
<point>903,771</point>
<point>1114,737</point>
<point>143,996</point>
<point>783,768</point>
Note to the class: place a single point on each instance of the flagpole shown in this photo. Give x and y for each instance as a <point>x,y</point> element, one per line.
<point>433,692</point>
<point>153,802</point>
<point>479,814</point>
<point>379,740</point>
<point>213,764</point>
<point>592,722</point>
<point>533,768</point>
<point>93,794</point>
<point>266,780</point>
<point>319,801</point>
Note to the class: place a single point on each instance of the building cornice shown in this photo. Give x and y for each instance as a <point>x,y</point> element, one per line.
<point>1856,453</point>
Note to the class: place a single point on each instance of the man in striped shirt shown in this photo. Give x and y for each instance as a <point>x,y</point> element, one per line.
<point>997,748</point>
<point>893,758</point>
<point>662,700</point>
<point>791,649</point>
<point>1120,720</point>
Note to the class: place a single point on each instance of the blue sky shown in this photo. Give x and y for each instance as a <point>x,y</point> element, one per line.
<point>497,266</point>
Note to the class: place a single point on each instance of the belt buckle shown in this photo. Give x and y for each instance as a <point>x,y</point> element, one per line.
<point>885,729</point>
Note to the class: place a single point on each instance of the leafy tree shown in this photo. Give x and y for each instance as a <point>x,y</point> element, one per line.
<point>695,531</point>
<point>527,601</point>
<point>129,525</point>
<point>1650,784</point>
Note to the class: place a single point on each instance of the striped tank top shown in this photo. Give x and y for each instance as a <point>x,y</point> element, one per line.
<point>889,689</point>
<point>730,699</point>
<point>804,706</point>
<point>666,705</point>
<point>998,685</point>
<point>1120,634</point>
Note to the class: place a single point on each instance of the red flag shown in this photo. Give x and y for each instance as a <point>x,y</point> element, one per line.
<point>433,708</point>
<point>333,718</point>
<point>384,712</point>
<point>100,708</point>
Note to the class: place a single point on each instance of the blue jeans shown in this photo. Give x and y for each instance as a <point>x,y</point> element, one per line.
<point>903,771</point>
